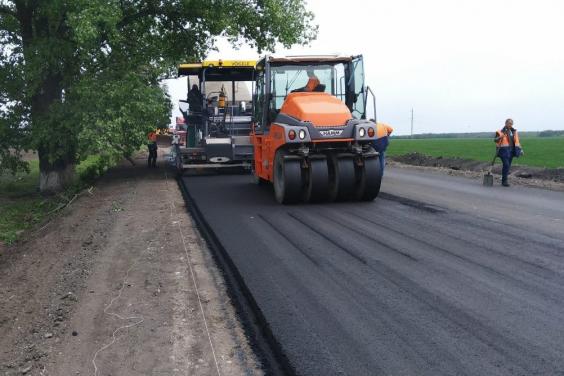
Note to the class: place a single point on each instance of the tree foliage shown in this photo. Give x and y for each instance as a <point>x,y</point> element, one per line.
<point>82,76</point>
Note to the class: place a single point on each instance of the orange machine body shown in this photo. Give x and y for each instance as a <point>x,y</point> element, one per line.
<point>265,149</point>
<point>320,109</point>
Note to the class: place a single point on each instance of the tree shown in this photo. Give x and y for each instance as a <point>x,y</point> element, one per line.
<point>82,76</point>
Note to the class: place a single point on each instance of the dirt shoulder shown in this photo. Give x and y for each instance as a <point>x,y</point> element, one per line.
<point>537,177</point>
<point>121,283</point>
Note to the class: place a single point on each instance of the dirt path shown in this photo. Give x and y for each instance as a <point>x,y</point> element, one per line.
<point>121,284</point>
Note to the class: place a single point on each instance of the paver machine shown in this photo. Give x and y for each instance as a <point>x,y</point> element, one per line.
<point>218,115</point>
<point>310,134</point>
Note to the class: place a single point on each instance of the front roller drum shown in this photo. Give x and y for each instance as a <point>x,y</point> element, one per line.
<point>369,179</point>
<point>287,179</point>
<point>316,187</point>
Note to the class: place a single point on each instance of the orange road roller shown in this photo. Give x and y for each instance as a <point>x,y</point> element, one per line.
<point>310,135</point>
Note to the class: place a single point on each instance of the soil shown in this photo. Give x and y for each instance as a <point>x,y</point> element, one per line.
<point>120,283</point>
<point>549,178</point>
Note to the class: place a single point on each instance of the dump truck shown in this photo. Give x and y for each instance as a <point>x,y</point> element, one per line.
<point>311,137</point>
<point>218,115</point>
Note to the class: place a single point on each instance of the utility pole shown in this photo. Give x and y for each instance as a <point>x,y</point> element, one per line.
<point>412,122</point>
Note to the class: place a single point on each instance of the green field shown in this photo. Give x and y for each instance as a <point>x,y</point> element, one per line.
<point>539,151</point>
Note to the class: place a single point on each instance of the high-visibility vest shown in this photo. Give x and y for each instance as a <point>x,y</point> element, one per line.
<point>502,139</point>
<point>383,130</point>
<point>503,144</point>
<point>312,83</point>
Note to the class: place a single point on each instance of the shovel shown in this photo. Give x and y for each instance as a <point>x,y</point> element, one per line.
<point>488,177</point>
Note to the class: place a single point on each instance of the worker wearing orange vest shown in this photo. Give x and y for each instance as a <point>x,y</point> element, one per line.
<point>508,146</point>
<point>152,145</point>
<point>383,132</point>
<point>312,83</point>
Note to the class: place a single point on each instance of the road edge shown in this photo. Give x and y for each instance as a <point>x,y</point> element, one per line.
<point>255,325</point>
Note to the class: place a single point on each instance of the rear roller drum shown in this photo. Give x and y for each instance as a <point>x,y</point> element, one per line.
<point>369,179</point>
<point>317,180</point>
<point>342,178</point>
<point>287,179</point>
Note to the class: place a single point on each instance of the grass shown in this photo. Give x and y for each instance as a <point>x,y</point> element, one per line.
<point>21,205</point>
<point>545,152</point>
<point>22,183</point>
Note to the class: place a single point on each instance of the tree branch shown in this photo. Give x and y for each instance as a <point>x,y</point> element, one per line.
<point>149,10</point>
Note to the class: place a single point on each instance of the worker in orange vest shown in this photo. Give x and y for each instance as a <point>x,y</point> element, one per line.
<point>383,132</point>
<point>508,146</point>
<point>313,84</point>
<point>152,145</point>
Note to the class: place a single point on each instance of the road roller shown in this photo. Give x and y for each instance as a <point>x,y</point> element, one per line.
<point>310,134</point>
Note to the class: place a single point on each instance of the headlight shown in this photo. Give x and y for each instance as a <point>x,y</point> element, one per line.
<point>292,135</point>
<point>302,134</point>
<point>362,132</point>
<point>370,132</point>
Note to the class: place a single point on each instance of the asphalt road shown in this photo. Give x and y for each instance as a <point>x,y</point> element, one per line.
<point>438,276</point>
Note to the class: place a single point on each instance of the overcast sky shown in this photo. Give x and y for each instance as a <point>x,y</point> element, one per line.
<point>463,66</point>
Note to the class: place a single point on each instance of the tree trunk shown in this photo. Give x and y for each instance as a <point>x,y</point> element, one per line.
<point>55,177</point>
<point>53,181</point>
<point>56,146</point>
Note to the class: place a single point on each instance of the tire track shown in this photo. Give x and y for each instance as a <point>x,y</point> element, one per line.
<point>516,351</point>
<point>534,287</point>
<point>351,253</point>
<point>288,239</point>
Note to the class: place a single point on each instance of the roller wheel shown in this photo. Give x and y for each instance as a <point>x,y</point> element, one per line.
<point>370,178</point>
<point>287,179</point>
<point>317,181</point>
<point>342,178</point>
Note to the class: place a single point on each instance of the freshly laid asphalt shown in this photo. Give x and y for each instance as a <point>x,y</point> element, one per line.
<point>437,276</point>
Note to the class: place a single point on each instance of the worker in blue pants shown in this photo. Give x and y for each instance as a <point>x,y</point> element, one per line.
<point>508,146</point>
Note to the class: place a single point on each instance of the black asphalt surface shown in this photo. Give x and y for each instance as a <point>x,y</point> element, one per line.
<point>438,276</point>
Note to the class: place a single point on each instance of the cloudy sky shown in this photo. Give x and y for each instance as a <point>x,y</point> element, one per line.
<point>463,66</point>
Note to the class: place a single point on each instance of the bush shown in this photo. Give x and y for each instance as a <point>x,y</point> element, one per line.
<point>93,167</point>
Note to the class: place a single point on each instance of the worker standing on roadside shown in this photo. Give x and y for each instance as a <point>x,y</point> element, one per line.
<point>383,132</point>
<point>508,146</point>
<point>152,145</point>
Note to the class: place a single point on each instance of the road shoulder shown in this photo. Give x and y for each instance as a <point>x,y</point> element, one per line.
<point>122,283</point>
<point>478,175</point>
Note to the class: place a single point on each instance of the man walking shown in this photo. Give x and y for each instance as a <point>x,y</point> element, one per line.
<point>152,145</point>
<point>508,146</point>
